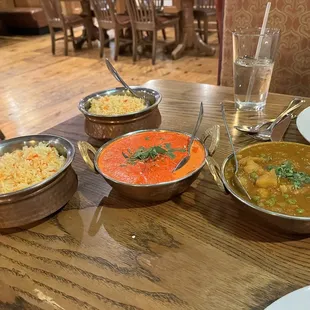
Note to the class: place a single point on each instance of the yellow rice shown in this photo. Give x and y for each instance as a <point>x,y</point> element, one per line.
<point>117,104</point>
<point>31,165</point>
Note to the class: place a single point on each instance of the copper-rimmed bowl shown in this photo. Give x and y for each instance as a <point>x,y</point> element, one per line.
<point>41,199</point>
<point>286,223</point>
<point>142,192</point>
<point>101,127</point>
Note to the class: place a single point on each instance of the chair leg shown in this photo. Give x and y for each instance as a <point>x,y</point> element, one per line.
<point>116,40</point>
<point>199,25</point>
<point>72,37</point>
<point>205,28</point>
<point>164,34</point>
<point>177,33</point>
<point>66,41</point>
<point>218,32</point>
<point>88,36</point>
<point>154,45</point>
<point>134,44</point>
<point>101,38</point>
<point>53,40</point>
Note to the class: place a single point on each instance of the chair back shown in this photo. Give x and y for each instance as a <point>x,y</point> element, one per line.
<point>142,14</point>
<point>204,4</point>
<point>104,12</point>
<point>159,5</point>
<point>52,11</point>
<point>291,73</point>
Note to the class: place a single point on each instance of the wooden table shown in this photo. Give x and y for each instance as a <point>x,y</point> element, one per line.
<point>190,39</point>
<point>201,250</point>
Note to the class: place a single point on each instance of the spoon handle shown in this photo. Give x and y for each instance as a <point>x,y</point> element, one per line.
<point>239,184</point>
<point>294,105</point>
<point>229,136</point>
<point>196,128</point>
<point>118,77</point>
<point>191,140</point>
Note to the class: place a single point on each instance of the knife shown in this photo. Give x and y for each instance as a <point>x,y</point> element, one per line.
<point>279,130</point>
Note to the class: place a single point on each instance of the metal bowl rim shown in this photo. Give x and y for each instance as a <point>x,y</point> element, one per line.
<point>36,186</point>
<point>249,204</point>
<point>84,100</point>
<point>146,185</point>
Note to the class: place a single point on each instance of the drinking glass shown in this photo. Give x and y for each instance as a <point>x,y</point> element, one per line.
<point>252,67</point>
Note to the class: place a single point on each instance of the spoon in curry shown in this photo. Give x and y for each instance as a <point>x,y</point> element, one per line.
<point>186,159</point>
<point>126,86</point>
<point>236,178</point>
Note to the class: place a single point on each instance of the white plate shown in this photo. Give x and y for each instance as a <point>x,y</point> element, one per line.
<point>303,123</point>
<point>297,300</point>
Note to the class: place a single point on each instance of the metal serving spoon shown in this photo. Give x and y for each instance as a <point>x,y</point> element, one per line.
<point>236,178</point>
<point>256,128</point>
<point>265,135</point>
<point>215,169</point>
<point>126,86</point>
<point>186,159</point>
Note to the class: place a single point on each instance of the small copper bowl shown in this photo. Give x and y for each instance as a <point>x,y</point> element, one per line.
<point>42,199</point>
<point>101,127</point>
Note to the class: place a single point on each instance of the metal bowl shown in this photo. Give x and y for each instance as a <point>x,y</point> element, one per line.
<point>144,192</point>
<point>41,199</point>
<point>286,223</point>
<point>102,127</point>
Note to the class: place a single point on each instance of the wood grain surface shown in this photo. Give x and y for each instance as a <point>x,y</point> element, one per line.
<point>201,250</point>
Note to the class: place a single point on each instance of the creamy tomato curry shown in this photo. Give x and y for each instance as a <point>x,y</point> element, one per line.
<point>150,157</point>
<point>276,175</point>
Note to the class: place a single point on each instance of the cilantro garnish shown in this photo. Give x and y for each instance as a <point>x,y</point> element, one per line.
<point>151,153</point>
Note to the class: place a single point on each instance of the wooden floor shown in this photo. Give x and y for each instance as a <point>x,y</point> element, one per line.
<point>39,90</point>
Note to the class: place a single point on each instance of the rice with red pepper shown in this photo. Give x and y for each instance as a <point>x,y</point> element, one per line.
<point>26,167</point>
<point>115,105</point>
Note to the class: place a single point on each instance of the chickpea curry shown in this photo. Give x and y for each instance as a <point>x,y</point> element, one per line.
<point>276,175</point>
<point>149,157</point>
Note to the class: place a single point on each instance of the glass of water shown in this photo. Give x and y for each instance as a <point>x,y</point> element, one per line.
<point>253,66</point>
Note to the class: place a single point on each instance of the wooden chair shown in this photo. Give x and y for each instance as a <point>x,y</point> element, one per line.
<point>108,19</point>
<point>56,19</point>
<point>143,17</point>
<point>203,9</point>
<point>159,5</point>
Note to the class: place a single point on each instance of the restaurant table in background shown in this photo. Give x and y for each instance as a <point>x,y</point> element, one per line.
<point>189,37</point>
<point>201,250</point>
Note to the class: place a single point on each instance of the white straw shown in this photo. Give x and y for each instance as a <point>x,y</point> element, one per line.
<point>258,48</point>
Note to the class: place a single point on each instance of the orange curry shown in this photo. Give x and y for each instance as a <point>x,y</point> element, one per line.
<point>150,157</point>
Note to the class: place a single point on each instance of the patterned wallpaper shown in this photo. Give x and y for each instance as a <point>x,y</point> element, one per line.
<point>291,73</point>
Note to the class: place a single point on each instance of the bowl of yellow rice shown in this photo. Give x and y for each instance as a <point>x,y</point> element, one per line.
<point>36,178</point>
<point>114,112</point>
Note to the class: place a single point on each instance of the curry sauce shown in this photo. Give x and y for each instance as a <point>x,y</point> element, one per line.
<point>276,175</point>
<point>150,157</point>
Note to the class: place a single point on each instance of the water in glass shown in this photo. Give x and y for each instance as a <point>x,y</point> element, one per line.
<point>244,67</point>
